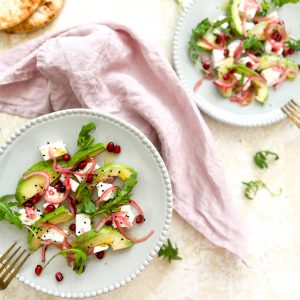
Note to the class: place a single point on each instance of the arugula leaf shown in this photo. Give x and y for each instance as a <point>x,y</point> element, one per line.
<point>6,213</point>
<point>252,187</point>
<point>265,6</point>
<point>86,204</point>
<point>261,158</point>
<point>293,44</point>
<point>122,197</point>
<point>85,140</point>
<point>169,252</point>
<point>220,22</point>
<point>252,43</point>
<point>279,3</point>
<point>79,262</point>
<point>197,32</point>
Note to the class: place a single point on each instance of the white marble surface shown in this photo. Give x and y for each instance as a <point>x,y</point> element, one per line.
<point>206,272</point>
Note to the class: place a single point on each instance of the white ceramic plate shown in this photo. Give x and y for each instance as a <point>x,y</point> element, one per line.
<point>207,97</point>
<point>153,192</point>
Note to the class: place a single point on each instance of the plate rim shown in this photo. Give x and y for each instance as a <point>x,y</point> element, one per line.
<point>240,122</point>
<point>160,164</point>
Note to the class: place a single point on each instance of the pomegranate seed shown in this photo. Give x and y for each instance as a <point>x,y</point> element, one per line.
<point>226,52</point>
<point>232,33</point>
<point>226,76</point>
<point>255,22</point>
<point>59,276</point>
<point>72,227</point>
<point>299,67</point>
<point>285,52</point>
<point>139,219</point>
<point>100,254</point>
<point>66,157</point>
<point>36,198</point>
<point>206,66</point>
<point>232,71</point>
<point>50,208</point>
<point>89,178</point>
<point>274,49</point>
<point>219,39</point>
<point>28,204</point>
<point>108,223</point>
<point>291,51</point>
<point>57,185</point>
<point>249,64</point>
<point>117,149</point>
<point>38,270</point>
<point>82,165</point>
<point>74,202</point>
<point>110,147</point>
<point>62,189</point>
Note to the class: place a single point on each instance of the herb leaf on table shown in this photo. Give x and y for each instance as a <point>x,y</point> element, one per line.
<point>252,187</point>
<point>261,158</point>
<point>169,252</point>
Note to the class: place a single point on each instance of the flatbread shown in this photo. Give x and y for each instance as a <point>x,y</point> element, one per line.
<point>13,12</point>
<point>46,12</point>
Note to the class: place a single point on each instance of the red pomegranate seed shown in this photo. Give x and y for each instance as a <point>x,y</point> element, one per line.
<point>108,223</point>
<point>274,49</point>
<point>226,52</point>
<point>206,66</point>
<point>36,198</point>
<point>219,39</point>
<point>117,149</point>
<point>62,189</point>
<point>72,227</point>
<point>299,67</point>
<point>285,52</point>
<point>89,178</point>
<point>139,219</point>
<point>291,51</point>
<point>57,185</point>
<point>249,64</point>
<point>255,22</point>
<point>38,270</point>
<point>50,208</point>
<point>66,157</point>
<point>232,71</point>
<point>59,276</point>
<point>226,76</point>
<point>110,147</point>
<point>74,202</point>
<point>100,254</point>
<point>28,204</point>
<point>82,165</point>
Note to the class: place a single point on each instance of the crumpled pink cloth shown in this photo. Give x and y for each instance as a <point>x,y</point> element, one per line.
<point>109,68</point>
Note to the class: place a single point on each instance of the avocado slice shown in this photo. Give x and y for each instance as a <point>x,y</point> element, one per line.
<point>224,69</point>
<point>107,235</point>
<point>210,37</point>
<point>33,185</point>
<point>259,30</point>
<point>60,215</point>
<point>267,61</point>
<point>261,90</point>
<point>235,18</point>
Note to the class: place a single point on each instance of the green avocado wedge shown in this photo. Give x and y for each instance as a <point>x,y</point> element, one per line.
<point>60,215</point>
<point>211,38</point>
<point>107,235</point>
<point>235,18</point>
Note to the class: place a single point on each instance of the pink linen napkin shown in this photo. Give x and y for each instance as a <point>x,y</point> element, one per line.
<point>107,67</point>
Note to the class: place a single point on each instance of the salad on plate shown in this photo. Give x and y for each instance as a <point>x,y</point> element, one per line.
<point>246,51</point>
<point>74,204</point>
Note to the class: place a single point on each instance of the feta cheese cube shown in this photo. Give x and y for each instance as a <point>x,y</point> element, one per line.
<point>59,149</point>
<point>130,216</point>
<point>84,170</point>
<point>238,76</point>
<point>218,57</point>
<point>233,46</point>
<point>83,224</point>
<point>102,187</point>
<point>251,9</point>
<point>269,49</point>
<point>100,248</point>
<point>36,215</point>
<point>270,76</point>
<point>54,235</point>
<point>74,184</point>
<point>53,194</point>
<point>249,25</point>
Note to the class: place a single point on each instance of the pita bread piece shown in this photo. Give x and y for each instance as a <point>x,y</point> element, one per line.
<point>13,12</point>
<point>47,11</point>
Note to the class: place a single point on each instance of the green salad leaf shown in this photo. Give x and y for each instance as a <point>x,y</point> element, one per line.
<point>293,44</point>
<point>261,158</point>
<point>6,213</point>
<point>252,187</point>
<point>265,6</point>
<point>252,43</point>
<point>79,262</point>
<point>169,252</point>
<point>85,140</point>
<point>279,3</point>
<point>86,204</point>
<point>220,22</point>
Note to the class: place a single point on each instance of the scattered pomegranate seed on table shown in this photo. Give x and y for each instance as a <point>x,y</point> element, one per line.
<point>66,157</point>
<point>72,227</point>
<point>117,149</point>
<point>38,270</point>
<point>110,147</point>
<point>100,254</point>
<point>59,276</point>
<point>50,208</point>
<point>89,178</point>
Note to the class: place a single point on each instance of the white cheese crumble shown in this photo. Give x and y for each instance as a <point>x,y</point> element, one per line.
<point>28,221</point>
<point>249,25</point>
<point>268,48</point>
<point>270,76</point>
<point>54,235</point>
<point>238,76</point>
<point>84,170</point>
<point>102,187</point>
<point>74,184</point>
<point>59,149</point>
<point>233,46</point>
<point>130,216</point>
<point>83,224</point>
<point>218,57</point>
<point>100,248</point>
<point>53,194</point>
